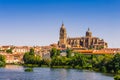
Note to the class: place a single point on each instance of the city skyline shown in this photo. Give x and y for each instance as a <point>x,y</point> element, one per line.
<point>37,22</point>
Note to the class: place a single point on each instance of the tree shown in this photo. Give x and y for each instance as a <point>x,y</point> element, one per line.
<point>114,64</point>
<point>117,77</point>
<point>59,61</point>
<point>46,62</point>
<point>26,57</point>
<point>2,60</point>
<point>78,60</point>
<point>31,58</point>
<point>69,52</point>
<point>53,52</point>
<point>58,52</point>
<point>9,50</point>
<point>31,51</point>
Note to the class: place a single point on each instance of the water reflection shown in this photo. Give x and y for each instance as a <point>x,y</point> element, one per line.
<point>14,72</point>
<point>14,68</point>
<point>60,74</point>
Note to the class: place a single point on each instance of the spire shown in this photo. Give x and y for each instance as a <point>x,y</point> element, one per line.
<point>62,25</point>
<point>88,29</point>
<point>62,22</point>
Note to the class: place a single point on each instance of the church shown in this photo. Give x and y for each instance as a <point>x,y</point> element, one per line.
<point>87,42</point>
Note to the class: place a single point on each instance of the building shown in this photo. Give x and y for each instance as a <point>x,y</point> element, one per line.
<point>13,58</point>
<point>96,52</point>
<point>3,48</point>
<point>87,42</point>
<point>20,49</point>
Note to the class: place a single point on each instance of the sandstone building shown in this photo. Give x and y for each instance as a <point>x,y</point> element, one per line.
<point>87,42</point>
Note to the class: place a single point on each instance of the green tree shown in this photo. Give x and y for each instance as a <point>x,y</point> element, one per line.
<point>114,64</point>
<point>25,57</point>
<point>31,51</point>
<point>9,50</point>
<point>46,62</point>
<point>96,60</point>
<point>78,60</point>
<point>31,58</point>
<point>2,61</point>
<point>58,53</point>
<point>69,52</point>
<point>59,61</point>
<point>53,52</point>
<point>117,77</point>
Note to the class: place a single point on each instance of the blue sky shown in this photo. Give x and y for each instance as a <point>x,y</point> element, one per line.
<point>37,22</point>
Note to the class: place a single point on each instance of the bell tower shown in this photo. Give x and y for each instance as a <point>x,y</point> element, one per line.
<point>88,33</point>
<point>63,37</point>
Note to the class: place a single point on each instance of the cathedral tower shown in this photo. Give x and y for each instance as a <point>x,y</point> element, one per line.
<point>63,37</point>
<point>88,33</point>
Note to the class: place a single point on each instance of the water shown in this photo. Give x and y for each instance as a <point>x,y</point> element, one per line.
<point>14,72</point>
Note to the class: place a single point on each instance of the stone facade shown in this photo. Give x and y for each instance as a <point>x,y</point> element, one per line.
<point>63,37</point>
<point>87,42</point>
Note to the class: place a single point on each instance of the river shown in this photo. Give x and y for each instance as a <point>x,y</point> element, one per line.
<point>14,72</point>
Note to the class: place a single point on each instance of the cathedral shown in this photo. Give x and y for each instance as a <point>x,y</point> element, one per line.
<point>87,42</point>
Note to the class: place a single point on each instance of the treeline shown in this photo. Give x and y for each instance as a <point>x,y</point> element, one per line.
<point>102,63</point>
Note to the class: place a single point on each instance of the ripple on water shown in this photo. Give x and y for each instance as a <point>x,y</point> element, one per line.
<point>15,72</point>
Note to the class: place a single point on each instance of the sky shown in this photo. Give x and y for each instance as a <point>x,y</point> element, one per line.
<point>37,22</point>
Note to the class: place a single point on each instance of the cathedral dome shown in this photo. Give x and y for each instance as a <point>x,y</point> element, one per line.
<point>88,33</point>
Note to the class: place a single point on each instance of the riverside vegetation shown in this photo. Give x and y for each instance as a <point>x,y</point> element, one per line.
<point>102,63</point>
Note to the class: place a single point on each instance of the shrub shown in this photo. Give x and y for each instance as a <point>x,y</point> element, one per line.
<point>117,77</point>
<point>28,70</point>
<point>2,64</point>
